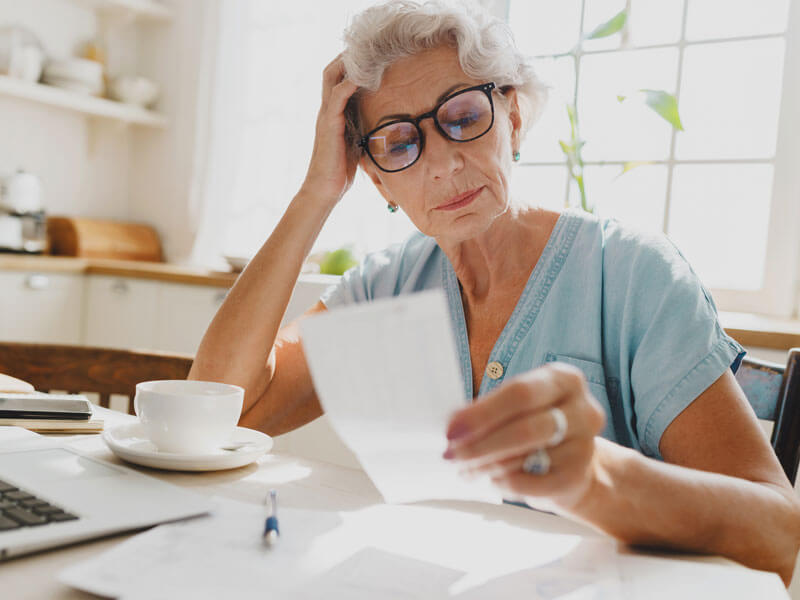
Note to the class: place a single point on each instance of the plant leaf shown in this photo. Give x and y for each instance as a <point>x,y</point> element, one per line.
<point>665,105</point>
<point>610,27</point>
<point>621,98</point>
<point>632,164</point>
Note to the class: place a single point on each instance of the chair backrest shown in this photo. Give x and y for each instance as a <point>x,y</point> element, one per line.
<point>774,393</point>
<point>89,370</point>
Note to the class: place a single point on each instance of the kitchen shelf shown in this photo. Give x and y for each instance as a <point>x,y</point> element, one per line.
<point>144,10</point>
<point>89,105</point>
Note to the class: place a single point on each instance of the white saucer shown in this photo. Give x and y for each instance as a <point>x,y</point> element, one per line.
<point>129,443</point>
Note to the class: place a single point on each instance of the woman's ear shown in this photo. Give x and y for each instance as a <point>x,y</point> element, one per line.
<point>514,117</point>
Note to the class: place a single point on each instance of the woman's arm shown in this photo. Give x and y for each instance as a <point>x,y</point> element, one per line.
<point>733,499</point>
<point>726,493</point>
<point>241,345</point>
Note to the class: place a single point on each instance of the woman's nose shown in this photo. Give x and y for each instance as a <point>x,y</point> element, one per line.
<point>442,157</point>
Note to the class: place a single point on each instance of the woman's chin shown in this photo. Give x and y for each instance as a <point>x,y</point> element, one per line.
<point>463,228</point>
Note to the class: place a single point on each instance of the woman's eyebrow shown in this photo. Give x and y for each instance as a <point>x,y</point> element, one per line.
<point>441,97</point>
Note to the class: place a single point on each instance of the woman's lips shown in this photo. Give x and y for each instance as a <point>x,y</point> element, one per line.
<point>460,200</point>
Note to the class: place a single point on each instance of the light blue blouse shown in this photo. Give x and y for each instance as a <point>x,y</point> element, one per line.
<point>622,305</point>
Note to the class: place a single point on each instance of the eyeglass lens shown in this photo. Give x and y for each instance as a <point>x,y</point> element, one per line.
<point>462,118</point>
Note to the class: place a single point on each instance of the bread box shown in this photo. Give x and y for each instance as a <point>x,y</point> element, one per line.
<point>96,238</point>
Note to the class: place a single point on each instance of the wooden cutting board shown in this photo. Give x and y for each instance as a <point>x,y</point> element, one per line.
<point>96,238</point>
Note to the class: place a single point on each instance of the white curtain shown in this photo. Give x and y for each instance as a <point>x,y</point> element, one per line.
<point>219,123</point>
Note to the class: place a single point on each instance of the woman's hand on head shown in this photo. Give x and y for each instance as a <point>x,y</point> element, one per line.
<point>494,436</point>
<point>330,172</point>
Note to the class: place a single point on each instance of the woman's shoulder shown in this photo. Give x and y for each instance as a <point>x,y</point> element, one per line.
<point>631,249</point>
<point>388,272</point>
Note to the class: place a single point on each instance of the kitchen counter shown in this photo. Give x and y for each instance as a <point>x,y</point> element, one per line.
<point>121,268</point>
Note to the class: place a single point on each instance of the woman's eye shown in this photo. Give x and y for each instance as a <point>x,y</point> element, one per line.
<point>399,148</point>
<point>463,120</point>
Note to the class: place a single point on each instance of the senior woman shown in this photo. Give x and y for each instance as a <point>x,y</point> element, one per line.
<point>602,383</point>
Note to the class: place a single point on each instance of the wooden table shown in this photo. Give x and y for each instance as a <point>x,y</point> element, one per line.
<point>309,484</point>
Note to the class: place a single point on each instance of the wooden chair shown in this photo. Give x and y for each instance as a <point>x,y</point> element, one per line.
<point>774,393</point>
<point>89,370</point>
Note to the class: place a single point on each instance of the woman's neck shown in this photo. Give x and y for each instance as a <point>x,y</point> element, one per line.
<point>503,256</point>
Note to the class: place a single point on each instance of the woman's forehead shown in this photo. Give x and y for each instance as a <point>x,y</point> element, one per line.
<point>414,84</point>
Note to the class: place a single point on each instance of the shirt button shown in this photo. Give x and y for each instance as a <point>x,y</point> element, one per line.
<point>494,370</point>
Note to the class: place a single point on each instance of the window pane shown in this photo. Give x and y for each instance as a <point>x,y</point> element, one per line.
<point>598,12</point>
<point>637,197</point>
<point>545,26</point>
<point>649,22</point>
<point>631,130</point>
<point>540,186</point>
<point>709,19</point>
<point>730,99</point>
<point>655,22</point>
<point>541,142</point>
<point>719,217</point>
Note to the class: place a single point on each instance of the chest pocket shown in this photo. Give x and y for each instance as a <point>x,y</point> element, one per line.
<point>606,390</point>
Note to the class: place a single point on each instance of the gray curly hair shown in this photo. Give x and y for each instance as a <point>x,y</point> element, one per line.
<point>383,34</point>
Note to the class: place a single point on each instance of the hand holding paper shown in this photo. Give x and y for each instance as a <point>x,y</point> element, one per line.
<point>386,374</point>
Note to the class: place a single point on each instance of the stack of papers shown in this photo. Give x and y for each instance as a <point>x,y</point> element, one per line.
<point>387,376</point>
<point>382,551</point>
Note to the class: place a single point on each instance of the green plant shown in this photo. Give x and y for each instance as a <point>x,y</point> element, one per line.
<point>663,103</point>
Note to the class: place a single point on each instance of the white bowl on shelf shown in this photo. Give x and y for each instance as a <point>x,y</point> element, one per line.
<point>136,90</point>
<point>75,74</point>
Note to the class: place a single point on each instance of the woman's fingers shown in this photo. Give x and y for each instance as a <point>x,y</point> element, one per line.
<point>340,94</point>
<point>569,463</point>
<point>331,76</point>
<point>331,170</point>
<point>522,435</point>
<point>531,392</point>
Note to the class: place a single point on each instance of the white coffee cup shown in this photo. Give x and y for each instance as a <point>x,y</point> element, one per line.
<point>188,417</point>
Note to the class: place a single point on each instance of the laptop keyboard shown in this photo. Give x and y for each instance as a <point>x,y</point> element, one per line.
<point>18,509</point>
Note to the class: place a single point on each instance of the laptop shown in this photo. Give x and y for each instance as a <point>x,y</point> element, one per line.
<point>52,495</point>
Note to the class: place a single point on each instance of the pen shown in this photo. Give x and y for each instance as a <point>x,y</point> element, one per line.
<point>271,531</point>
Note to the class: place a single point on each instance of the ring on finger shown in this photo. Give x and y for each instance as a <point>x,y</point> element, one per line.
<point>537,463</point>
<point>560,432</point>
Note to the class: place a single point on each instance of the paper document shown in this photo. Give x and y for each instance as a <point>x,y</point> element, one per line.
<point>387,375</point>
<point>384,551</point>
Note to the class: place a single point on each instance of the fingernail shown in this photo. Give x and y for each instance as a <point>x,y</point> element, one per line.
<point>457,431</point>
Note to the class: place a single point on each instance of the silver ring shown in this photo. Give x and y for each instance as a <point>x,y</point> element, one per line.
<point>561,427</point>
<point>537,463</point>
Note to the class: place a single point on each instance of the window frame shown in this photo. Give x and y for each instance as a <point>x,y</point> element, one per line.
<point>779,294</point>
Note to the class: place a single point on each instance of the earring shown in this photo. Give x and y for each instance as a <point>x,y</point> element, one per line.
<point>516,156</point>
<point>392,208</point>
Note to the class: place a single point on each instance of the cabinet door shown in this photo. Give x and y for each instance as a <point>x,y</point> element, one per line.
<point>41,307</point>
<point>184,313</point>
<point>121,312</point>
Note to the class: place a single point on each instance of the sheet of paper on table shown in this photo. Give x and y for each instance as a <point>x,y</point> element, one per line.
<point>384,551</point>
<point>387,376</point>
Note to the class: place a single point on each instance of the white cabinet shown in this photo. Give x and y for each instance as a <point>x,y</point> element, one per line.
<point>121,312</point>
<point>184,313</point>
<point>41,307</point>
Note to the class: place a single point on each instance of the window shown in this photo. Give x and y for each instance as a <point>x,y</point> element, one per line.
<point>726,189</point>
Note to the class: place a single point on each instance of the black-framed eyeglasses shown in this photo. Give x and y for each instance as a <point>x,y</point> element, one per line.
<point>463,116</point>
